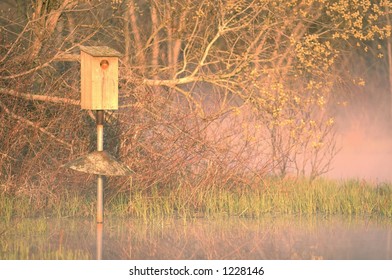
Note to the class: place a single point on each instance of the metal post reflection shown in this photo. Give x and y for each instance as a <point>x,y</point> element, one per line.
<point>99,241</point>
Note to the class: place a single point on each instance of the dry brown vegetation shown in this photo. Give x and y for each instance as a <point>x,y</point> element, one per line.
<point>211,92</point>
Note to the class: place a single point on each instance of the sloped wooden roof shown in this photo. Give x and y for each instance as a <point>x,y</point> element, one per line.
<point>98,51</point>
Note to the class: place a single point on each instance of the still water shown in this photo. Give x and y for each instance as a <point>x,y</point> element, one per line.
<point>231,238</point>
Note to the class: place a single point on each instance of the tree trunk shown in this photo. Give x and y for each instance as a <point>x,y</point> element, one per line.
<point>389,49</point>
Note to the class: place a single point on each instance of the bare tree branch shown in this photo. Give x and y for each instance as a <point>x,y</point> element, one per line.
<point>38,97</point>
<point>35,126</point>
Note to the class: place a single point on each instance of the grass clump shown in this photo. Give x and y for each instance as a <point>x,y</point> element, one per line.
<point>277,197</point>
<point>273,196</point>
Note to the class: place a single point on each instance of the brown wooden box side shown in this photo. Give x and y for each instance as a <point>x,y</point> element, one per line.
<point>86,80</point>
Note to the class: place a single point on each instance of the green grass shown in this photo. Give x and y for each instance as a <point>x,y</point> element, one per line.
<point>276,197</point>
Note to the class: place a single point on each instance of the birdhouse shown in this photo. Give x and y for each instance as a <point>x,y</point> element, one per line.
<point>99,78</point>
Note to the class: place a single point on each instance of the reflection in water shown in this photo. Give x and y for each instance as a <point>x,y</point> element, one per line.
<point>99,241</point>
<point>235,238</point>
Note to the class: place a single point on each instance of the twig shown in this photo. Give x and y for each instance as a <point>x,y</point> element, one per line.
<point>30,123</point>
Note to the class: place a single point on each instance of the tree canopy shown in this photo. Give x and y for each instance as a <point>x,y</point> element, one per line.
<point>210,91</point>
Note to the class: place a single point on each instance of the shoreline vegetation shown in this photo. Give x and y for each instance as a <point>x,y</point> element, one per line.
<point>272,197</point>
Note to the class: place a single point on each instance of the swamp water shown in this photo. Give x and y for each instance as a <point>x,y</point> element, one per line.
<point>225,238</point>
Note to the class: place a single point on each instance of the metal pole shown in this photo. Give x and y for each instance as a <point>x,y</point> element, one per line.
<point>100,199</point>
<point>100,120</point>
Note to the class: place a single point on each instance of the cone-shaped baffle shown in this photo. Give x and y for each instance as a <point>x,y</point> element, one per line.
<point>100,163</point>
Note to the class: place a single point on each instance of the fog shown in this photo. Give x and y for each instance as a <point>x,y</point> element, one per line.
<point>365,137</point>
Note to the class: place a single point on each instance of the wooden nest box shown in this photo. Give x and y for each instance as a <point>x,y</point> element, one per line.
<point>99,78</point>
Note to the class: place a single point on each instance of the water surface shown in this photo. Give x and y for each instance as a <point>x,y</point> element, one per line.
<point>227,238</point>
